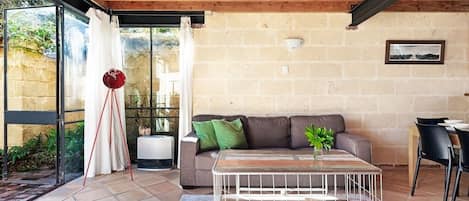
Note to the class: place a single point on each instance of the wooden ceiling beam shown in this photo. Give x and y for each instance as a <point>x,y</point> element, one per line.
<point>281,5</point>
<point>238,6</point>
<point>101,3</point>
<point>430,6</point>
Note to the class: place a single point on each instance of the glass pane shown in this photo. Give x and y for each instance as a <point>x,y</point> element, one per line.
<point>74,142</point>
<point>31,59</point>
<point>74,116</point>
<point>136,48</point>
<point>166,81</point>
<point>75,52</point>
<point>166,78</point>
<point>32,153</point>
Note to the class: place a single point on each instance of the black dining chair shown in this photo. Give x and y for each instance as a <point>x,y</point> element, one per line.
<point>431,121</point>
<point>463,164</point>
<point>435,145</point>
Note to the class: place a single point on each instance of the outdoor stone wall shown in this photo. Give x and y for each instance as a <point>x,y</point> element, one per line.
<point>31,87</point>
<point>238,59</point>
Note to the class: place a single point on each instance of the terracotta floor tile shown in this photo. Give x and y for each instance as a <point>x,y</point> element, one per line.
<point>93,195</point>
<point>136,194</point>
<point>170,196</point>
<point>152,199</point>
<point>163,186</point>
<point>150,180</point>
<point>121,187</point>
<point>110,198</point>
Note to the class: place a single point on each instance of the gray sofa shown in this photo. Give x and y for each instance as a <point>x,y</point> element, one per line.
<point>265,133</point>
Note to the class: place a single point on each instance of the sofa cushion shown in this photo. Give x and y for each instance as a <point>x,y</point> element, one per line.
<point>209,117</point>
<point>298,124</point>
<point>230,135</point>
<point>206,134</point>
<point>205,160</point>
<point>268,132</point>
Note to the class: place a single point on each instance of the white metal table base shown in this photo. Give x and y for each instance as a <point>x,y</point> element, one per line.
<point>278,186</point>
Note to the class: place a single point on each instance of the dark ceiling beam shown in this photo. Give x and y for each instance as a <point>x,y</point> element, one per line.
<point>368,9</point>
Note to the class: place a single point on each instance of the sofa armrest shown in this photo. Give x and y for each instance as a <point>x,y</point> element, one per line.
<point>355,144</point>
<point>189,149</point>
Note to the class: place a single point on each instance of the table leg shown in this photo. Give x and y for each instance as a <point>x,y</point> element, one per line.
<point>217,188</point>
<point>413,144</point>
<point>237,187</point>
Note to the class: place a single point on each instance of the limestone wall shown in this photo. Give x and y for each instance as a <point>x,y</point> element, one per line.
<point>238,70</point>
<point>31,87</point>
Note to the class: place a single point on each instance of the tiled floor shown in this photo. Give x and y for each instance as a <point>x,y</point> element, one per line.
<point>23,186</point>
<point>163,186</point>
<point>22,192</point>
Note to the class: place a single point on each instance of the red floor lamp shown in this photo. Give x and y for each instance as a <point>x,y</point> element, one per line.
<point>113,80</point>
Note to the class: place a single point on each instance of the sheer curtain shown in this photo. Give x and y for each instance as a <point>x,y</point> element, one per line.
<point>104,53</point>
<point>186,54</point>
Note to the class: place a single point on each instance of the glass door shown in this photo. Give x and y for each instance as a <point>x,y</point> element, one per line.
<point>45,59</point>
<point>74,54</point>
<point>151,62</point>
<point>31,104</point>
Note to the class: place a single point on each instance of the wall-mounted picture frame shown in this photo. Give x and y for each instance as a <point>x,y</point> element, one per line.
<point>415,52</point>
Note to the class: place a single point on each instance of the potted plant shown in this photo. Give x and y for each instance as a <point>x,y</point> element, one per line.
<point>137,102</point>
<point>319,138</point>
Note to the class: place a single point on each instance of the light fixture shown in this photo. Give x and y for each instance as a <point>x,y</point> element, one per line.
<point>293,43</point>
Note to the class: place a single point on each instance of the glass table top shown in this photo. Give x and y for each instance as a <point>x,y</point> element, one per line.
<point>294,161</point>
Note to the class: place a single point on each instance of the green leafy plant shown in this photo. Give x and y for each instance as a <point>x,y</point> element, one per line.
<point>74,148</point>
<point>4,4</point>
<point>319,138</point>
<point>40,151</point>
<point>25,34</point>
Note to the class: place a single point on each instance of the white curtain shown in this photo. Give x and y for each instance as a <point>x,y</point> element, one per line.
<point>186,55</point>
<point>104,53</point>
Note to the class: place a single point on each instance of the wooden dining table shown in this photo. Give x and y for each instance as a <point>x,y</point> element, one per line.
<point>413,145</point>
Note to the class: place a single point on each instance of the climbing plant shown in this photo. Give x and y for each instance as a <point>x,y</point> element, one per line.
<point>18,4</point>
<point>40,151</point>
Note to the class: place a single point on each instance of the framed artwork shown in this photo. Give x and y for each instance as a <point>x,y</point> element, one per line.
<point>415,52</point>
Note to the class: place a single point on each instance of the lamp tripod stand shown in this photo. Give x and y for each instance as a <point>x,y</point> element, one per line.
<point>112,93</point>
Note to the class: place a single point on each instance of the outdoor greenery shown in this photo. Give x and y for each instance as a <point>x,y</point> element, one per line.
<point>18,4</point>
<point>40,39</point>
<point>40,151</point>
<point>319,138</point>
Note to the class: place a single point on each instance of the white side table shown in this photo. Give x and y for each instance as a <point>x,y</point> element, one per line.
<point>155,152</point>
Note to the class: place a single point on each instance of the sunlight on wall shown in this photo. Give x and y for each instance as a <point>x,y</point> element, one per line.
<point>239,57</point>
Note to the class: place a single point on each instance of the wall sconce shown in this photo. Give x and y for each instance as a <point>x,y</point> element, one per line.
<point>293,43</point>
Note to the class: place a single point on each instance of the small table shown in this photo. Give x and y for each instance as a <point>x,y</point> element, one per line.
<point>413,145</point>
<point>290,174</point>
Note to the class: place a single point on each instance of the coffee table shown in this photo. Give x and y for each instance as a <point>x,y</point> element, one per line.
<point>294,175</point>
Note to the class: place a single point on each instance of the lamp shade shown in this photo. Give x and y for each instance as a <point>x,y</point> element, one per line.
<point>114,78</point>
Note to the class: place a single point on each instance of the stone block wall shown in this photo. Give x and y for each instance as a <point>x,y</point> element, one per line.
<point>31,87</point>
<point>239,57</point>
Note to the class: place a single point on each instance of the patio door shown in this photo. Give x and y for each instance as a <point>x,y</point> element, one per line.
<point>151,61</point>
<point>44,62</point>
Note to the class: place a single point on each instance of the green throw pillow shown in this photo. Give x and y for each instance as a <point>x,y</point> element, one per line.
<point>230,135</point>
<point>204,130</point>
